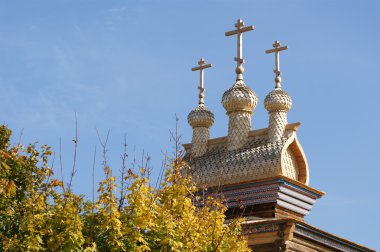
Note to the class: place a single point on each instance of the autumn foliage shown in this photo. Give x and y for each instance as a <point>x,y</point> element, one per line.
<point>39,213</point>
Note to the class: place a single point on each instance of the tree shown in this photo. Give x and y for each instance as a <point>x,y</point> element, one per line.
<point>38,213</point>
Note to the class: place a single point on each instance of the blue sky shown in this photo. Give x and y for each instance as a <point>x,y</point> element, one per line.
<point>125,66</point>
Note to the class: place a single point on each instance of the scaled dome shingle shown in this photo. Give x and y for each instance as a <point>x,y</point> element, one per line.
<point>278,100</point>
<point>201,116</point>
<point>239,97</point>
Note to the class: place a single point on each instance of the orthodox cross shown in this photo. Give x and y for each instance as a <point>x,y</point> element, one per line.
<point>277,48</point>
<point>240,29</point>
<point>202,65</point>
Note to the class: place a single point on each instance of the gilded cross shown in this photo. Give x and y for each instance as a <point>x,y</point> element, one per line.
<point>277,48</point>
<point>240,29</point>
<point>202,65</point>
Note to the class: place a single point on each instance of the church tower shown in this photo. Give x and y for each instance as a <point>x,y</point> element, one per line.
<point>262,174</point>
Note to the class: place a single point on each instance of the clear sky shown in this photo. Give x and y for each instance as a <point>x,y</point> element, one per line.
<point>125,66</point>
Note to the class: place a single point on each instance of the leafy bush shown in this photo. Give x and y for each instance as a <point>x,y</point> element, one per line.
<point>39,213</point>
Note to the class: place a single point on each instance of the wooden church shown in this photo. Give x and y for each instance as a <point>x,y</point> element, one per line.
<point>262,174</point>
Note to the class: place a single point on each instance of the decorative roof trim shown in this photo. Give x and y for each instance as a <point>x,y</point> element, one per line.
<point>279,178</point>
<point>307,231</point>
<point>328,239</point>
<point>294,145</point>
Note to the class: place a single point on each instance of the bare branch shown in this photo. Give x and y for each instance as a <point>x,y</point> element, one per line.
<point>160,174</point>
<point>142,162</point>
<point>75,140</point>
<point>104,146</point>
<point>134,159</point>
<point>20,138</point>
<point>146,165</point>
<point>176,138</point>
<point>124,158</point>
<point>93,181</point>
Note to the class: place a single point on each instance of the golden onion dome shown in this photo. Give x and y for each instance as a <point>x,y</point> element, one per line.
<point>239,98</point>
<point>278,100</point>
<point>201,116</point>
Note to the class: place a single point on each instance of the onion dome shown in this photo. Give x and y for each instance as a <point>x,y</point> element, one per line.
<point>201,116</point>
<point>278,100</point>
<point>239,98</point>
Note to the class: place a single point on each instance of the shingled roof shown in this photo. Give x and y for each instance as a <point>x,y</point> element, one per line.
<point>258,158</point>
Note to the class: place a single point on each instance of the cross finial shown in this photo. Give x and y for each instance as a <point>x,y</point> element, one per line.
<point>202,65</point>
<point>277,48</point>
<point>240,29</point>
